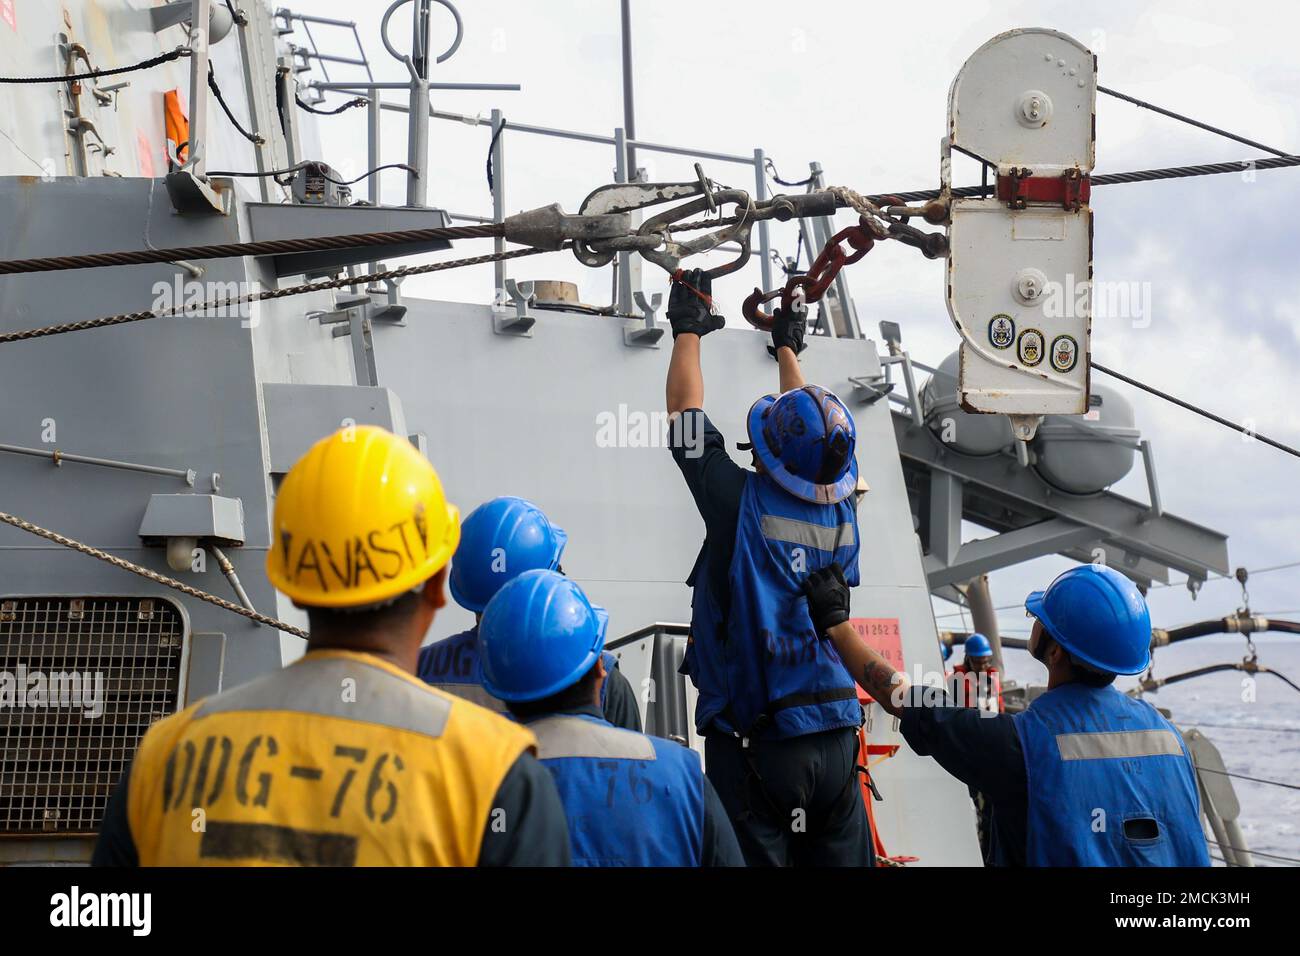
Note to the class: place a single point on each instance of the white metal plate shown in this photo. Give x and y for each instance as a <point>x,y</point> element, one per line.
<point>1021,358</point>
<point>984,102</point>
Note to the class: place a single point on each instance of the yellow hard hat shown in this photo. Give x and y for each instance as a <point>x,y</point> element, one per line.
<point>359,519</point>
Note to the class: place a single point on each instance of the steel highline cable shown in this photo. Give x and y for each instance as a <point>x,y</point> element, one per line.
<point>1110,179</point>
<point>345,281</point>
<point>496,230</point>
<point>264,247</point>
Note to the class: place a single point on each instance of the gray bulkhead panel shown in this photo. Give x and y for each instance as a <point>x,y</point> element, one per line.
<point>523,415</point>
<point>175,392</point>
<point>132,124</point>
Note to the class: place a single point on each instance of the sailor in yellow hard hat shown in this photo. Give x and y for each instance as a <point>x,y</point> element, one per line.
<point>345,757</point>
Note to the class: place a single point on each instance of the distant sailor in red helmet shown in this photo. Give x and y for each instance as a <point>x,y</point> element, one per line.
<point>980,683</point>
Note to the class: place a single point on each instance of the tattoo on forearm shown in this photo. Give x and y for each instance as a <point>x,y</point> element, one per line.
<point>878,678</point>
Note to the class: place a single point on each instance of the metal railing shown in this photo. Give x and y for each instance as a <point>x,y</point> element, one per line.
<point>285,19</point>
<point>813,232</point>
<point>628,263</point>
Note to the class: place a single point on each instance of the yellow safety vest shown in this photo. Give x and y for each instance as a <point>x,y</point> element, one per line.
<point>340,759</point>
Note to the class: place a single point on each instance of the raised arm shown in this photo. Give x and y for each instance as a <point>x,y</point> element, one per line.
<point>791,373</point>
<point>691,314</point>
<point>788,329</point>
<point>685,378</point>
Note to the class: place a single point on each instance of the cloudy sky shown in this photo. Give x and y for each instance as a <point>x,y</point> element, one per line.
<point>862,88</point>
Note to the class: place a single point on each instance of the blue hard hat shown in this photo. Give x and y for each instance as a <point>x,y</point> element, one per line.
<point>945,650</point>
<point>805,439</point>
<point>538,636</point>
<point>498,540</point>
<point>977,645</point>
<point>1099,616</point>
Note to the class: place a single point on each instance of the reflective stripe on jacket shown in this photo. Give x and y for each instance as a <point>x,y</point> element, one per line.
<point>1110,783</point>
<point>630,799</point>
<point>764,668</point>
<point>340,759</point>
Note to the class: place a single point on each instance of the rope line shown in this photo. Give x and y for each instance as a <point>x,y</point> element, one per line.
<point>175,54</point>
<point>1227,577</point>
<point>1242,849</point>
<point>1242,776</point>
<point>1218,419</point>
<point>153,576</point>
<point>1188,120</point>
<point>226,301</point>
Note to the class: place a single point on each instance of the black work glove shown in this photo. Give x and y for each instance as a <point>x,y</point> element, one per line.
<point>828,597</point>
<point>788,328</point>
<point>690,304</point>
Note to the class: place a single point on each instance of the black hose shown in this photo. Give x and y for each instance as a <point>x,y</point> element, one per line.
<point>1243,666</point>
<point>1282,677</point>
<point>492,145</point>
<point>1199,629</point>
<point>776,177</point>
<point>175,54</point>
<point>357,101</point>
<point>221,101</point>
<point>1188,675</point>
<point>277,173</point>
<point>1224,626</point>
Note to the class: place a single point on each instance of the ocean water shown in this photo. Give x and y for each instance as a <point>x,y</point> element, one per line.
<point>1258,738</point>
